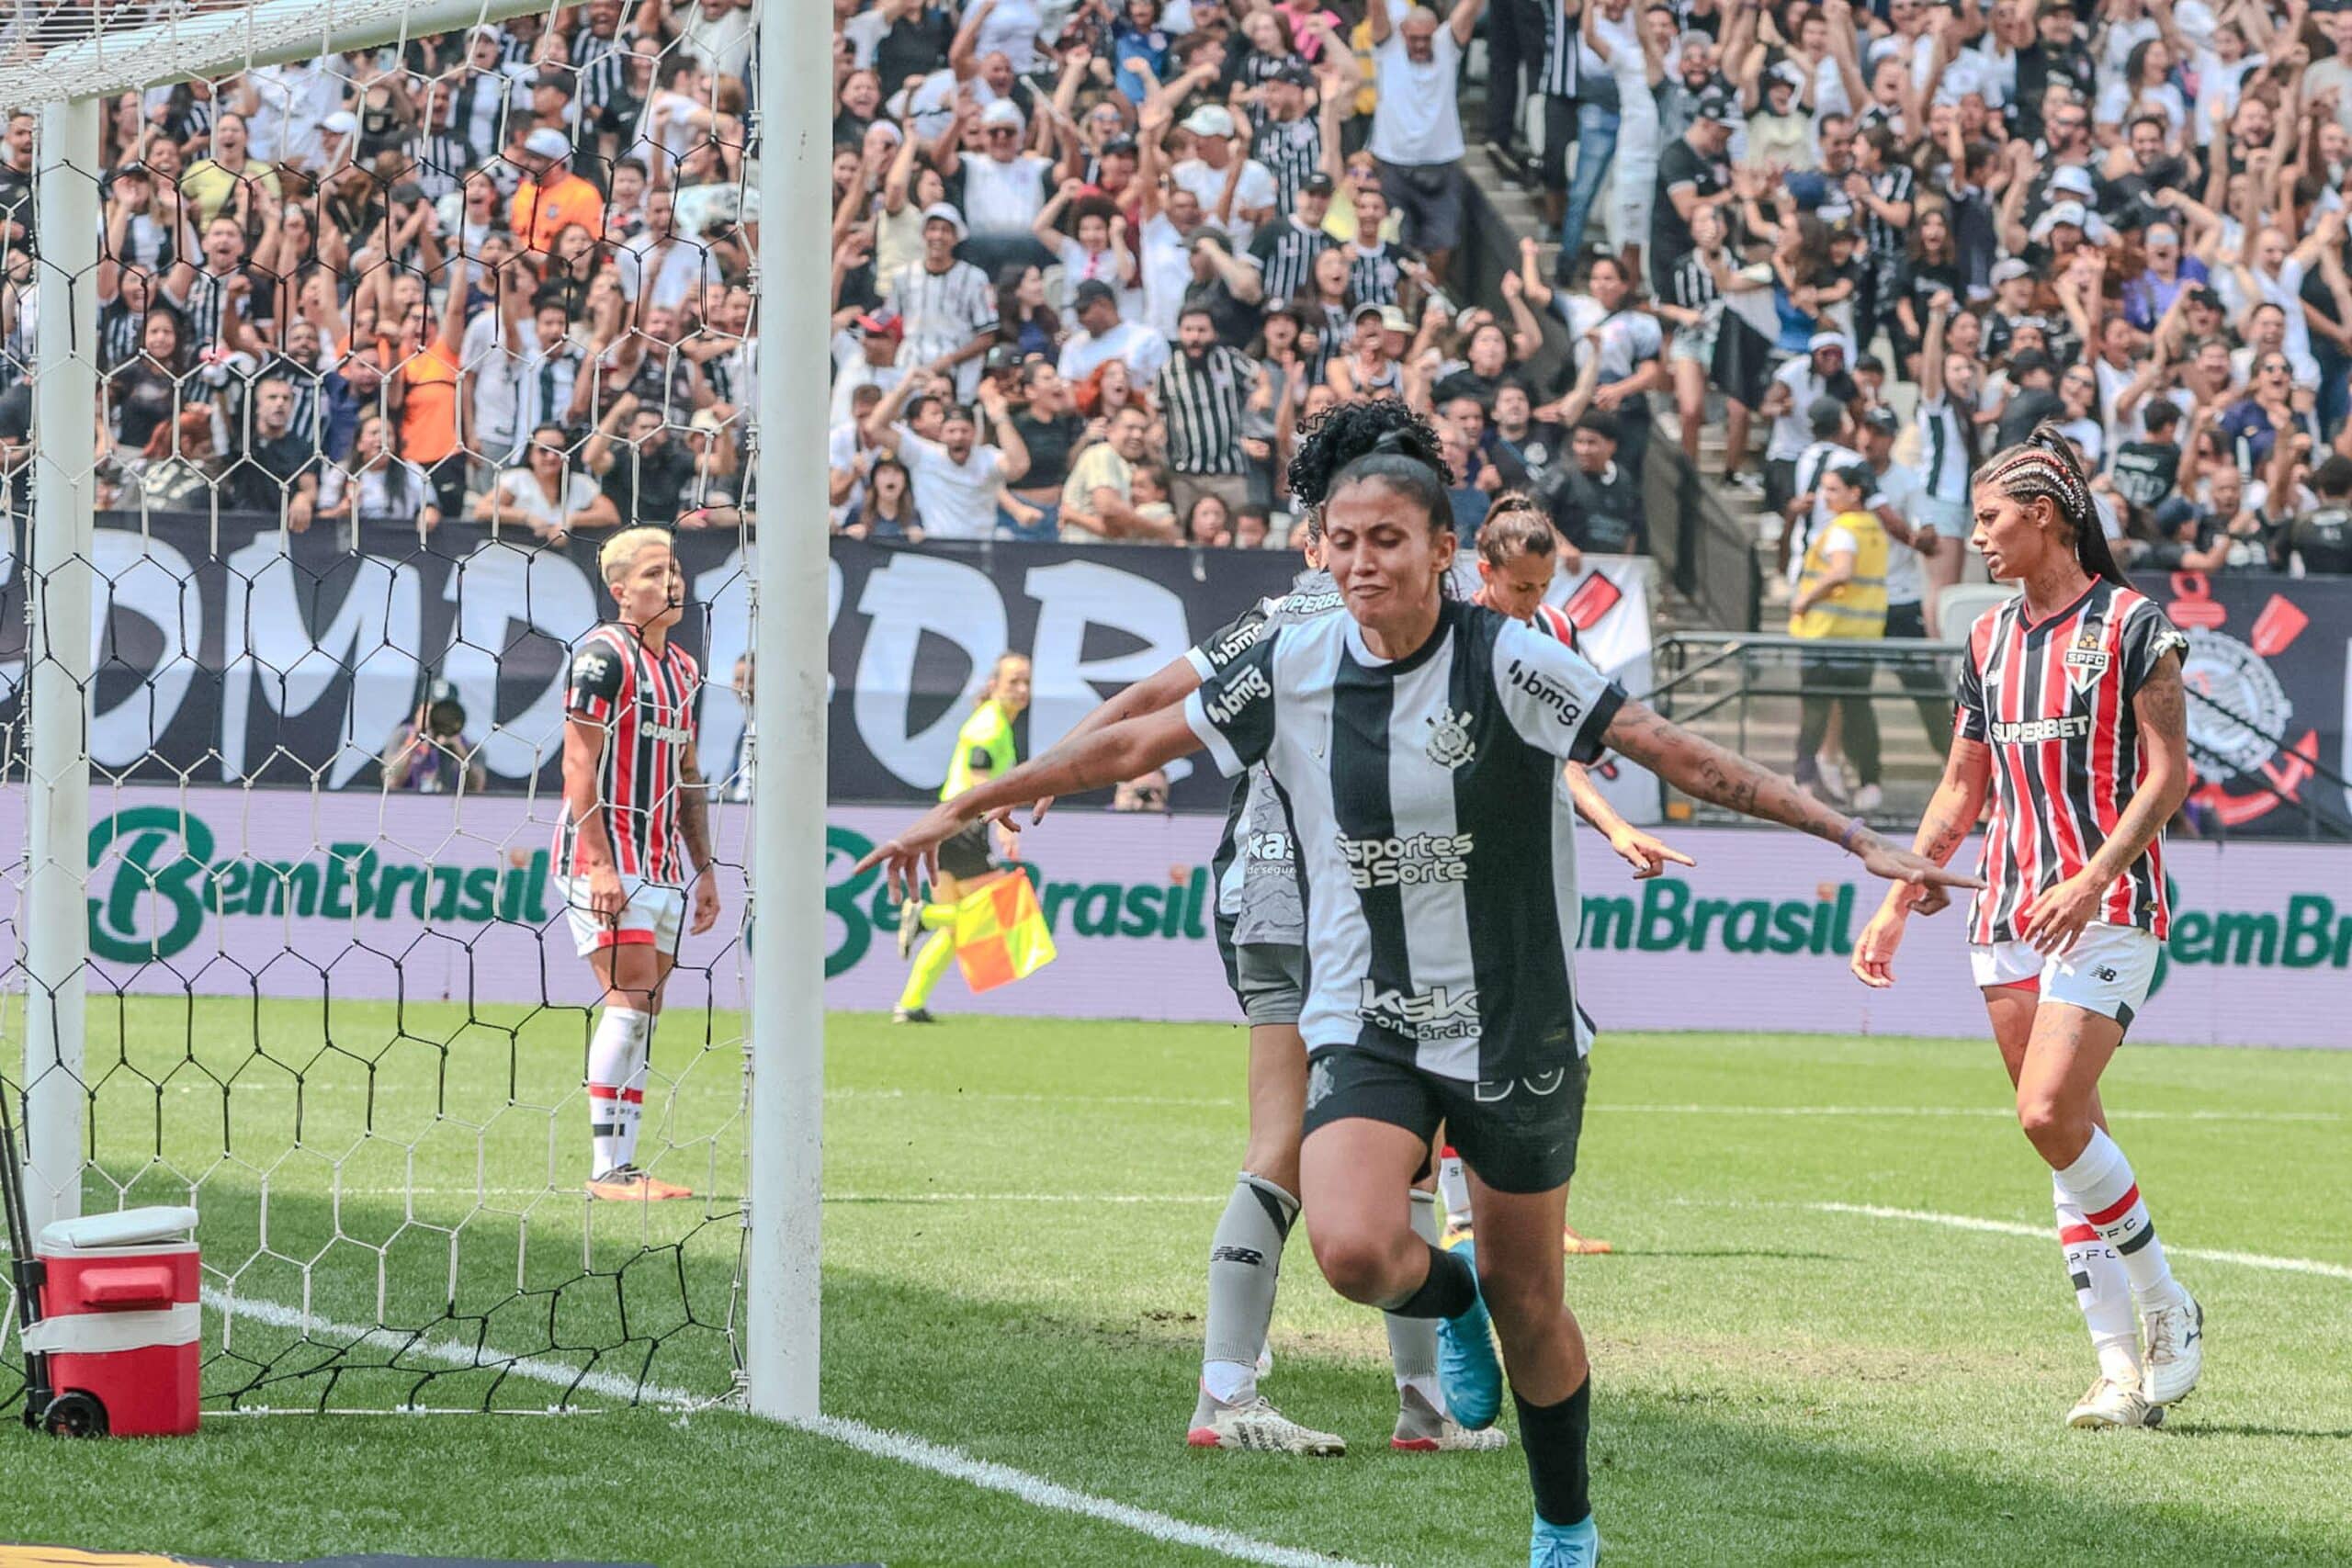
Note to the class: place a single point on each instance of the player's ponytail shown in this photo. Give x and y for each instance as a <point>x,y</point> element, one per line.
<point>2044,465</point>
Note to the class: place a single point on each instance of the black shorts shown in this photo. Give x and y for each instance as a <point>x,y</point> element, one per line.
<point>1519,1136</point>
<point>966,856</point>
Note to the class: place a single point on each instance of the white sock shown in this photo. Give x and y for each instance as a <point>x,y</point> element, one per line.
<point>1412,1341</point>
<point>1453,1186</point>
<point>2101,1289</point>
<point>2100,1183</point>
<point>617,1052</point>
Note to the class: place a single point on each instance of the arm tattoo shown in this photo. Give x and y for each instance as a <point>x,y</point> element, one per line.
<point>1958,801</point>
<point>1705,770</point>
<point>2162,710</point>
<point>694,813</point>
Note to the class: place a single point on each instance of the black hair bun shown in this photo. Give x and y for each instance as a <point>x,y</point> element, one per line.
<point>1345,432</point>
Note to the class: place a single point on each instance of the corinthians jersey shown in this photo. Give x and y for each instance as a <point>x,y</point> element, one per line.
<point>2052,700</point>
<point>1255,864</point>
<point>1436,849</point>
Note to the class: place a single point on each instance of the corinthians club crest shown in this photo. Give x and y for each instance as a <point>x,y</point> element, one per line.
<point>1450,745</point>
<point>2247,759</point>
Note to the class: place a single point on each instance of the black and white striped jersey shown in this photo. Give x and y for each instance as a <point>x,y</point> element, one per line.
<point>1435,841</point>
<point>1259,900</point>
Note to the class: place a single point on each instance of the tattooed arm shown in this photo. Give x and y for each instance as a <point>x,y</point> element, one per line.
<point>2053,920</point>
<point>693,827</point>
<point>1953,811</point>
<point>1707,772</point>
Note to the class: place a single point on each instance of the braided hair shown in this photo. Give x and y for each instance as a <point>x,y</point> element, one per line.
<point>2044,465</point>
<point>1381,439</point>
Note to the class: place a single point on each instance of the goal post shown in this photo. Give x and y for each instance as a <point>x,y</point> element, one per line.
<point>65,60</point>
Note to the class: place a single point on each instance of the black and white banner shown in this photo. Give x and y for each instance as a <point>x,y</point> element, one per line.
<point>230,652</point>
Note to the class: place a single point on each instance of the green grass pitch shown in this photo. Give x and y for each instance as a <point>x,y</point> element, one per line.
<point>1017,1220</point>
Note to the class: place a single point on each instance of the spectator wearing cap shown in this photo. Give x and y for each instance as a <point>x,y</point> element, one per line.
<point>2033,395</point>
<point>1103,335</point>
<point>872,344</point>
<point>553,101</point>
<point>1224,286</point>
<point>551,198</point>
<point>1696,71</point>
<point>1416,123</point>
<point>1831,424</point>
<point>1203,393</point>
<point>1234,189</point>
<point>1796,387</point>
<point>431,753</point>
<point>948,306</point>
<point>1002,191</point>
<point>1692,172</point>
<point>958,480</point>
<point>1284,252</point>
<point>1780,122</point>
<point>1371,368</point>
<point>1289,142</point>
<point>1593,500</point>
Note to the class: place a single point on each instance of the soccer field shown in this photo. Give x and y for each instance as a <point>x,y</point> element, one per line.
<point>1836,1328</point>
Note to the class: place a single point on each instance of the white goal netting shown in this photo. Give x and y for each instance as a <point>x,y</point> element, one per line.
<point>379,344</point>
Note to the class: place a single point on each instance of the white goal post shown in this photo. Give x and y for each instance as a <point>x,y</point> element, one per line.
<point>66,57</point>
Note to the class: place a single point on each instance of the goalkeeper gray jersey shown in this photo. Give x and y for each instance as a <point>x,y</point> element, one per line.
<point>1256,867</point>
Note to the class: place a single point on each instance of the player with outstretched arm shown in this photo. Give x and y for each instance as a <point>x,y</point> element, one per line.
<point>1416,740</point>
<point>633,797</point>
<point>2071,717</point>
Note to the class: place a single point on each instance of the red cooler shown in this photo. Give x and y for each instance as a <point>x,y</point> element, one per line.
<point>119,1323</point>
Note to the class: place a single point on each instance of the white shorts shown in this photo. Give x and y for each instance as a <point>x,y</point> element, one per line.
<point>654,913</point>
<point>2108,972</point>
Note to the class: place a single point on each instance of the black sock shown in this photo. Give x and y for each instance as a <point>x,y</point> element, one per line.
<point>1554,1436</point>
<point>1449,1291</point>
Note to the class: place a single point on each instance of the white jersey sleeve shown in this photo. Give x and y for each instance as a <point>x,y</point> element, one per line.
<point>1555,700</point>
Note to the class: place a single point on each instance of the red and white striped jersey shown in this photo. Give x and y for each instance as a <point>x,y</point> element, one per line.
<point>2052,700</point>
<point>1554,622</point>
<point>645,704</point>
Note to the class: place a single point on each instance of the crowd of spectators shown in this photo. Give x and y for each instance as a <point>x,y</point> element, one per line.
<point>1096,259</point>
<point>498,275</point>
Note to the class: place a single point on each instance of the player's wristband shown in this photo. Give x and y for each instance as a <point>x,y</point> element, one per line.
<point>1853,825</point>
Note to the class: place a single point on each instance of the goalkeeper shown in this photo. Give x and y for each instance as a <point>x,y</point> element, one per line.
<point>983,749</point>
<point>632,792</point>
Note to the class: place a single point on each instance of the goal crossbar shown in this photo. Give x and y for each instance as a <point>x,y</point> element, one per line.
<point>54,54</point>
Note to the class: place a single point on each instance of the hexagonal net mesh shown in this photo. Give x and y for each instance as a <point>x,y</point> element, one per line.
<point>416,870</point>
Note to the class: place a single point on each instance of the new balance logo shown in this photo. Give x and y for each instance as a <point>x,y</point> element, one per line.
<point>1248,1254</point>
<point>2106,973</point>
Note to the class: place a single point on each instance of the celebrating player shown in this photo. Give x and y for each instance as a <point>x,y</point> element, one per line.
<point>983,749</point>
<point>1415,739</point>
<point>632,790</point>
<point>2071,717</point>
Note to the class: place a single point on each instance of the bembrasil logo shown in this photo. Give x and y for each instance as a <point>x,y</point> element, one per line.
<point>155,880</point>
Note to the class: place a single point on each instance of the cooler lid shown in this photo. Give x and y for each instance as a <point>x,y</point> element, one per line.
<point>123,1228</point>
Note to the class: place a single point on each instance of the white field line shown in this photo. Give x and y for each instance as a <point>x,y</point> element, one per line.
<point>723,1200</point>
<point>1593,1108</point>
<point>937,1458</point>
<point>2041,1233</point>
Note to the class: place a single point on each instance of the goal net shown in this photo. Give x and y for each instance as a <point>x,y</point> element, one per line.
<point>335,341</point>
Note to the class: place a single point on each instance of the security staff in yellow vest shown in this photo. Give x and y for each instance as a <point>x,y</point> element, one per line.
<point>1841,596</point>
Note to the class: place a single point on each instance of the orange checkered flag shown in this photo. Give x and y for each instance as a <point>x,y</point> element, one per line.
<point>1001,933</point>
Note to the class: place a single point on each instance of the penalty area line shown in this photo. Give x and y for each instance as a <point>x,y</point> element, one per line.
<point>2041,1233</point>
<point>937,1458</point>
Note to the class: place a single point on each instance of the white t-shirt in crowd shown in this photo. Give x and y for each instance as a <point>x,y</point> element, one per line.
<point>1898,490</point>
<point>1416,120</point>
<point>1167,273</point>
<point>520,496</point>
<point>1004,198</point>
<point>957,499</point>
<point>1144,350</point>
<point>1256,190</point>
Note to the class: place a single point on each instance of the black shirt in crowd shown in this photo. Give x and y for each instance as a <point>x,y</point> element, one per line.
<point>1594,512</point>
<point>2321,539</point>
<point>649,484</point>
<point>1680,164</point>
<point>1050,444</point>
<point>2145,472</point>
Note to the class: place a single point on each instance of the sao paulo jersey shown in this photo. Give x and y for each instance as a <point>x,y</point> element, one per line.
<point>644,702</point>
<point>2052,700</point>
<point>1436,848</point>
